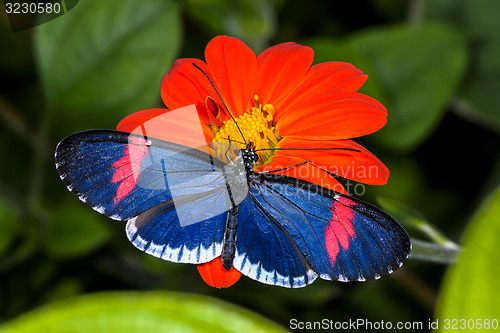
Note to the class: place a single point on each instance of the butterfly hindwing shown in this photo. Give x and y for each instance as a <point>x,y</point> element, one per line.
<point>159,233</point>
<point>265,251</point>
<point>340,237</point>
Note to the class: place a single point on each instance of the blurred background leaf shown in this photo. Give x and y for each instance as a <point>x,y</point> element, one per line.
<point>413,219</point>
<point>74,230</point>
<point>253,21</point>
<point>478,20</point>
<point>471,287</point>
<point>419,69</point>
<point>440,249</point>
<point>106,59</point>
<point>141,312</point>
<point>326,49</point>
<point>9,225</point>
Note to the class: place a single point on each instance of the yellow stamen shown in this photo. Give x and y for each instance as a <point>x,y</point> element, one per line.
<point>257,127</point>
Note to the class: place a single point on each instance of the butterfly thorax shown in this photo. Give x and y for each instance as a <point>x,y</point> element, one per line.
<point>250,157</point>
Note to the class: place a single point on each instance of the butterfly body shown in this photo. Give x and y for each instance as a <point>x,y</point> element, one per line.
<point>229,240</point>
<point>184,205</point>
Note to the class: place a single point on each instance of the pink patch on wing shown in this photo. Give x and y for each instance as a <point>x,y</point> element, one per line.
<point>340,230</point>
<point>128,167</point>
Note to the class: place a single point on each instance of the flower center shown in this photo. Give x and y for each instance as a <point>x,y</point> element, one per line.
<point>257,128</point>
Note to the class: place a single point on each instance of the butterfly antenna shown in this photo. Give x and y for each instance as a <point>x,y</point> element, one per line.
<point>225,107</point>
<point>333,148</point>
<point>143,129</point>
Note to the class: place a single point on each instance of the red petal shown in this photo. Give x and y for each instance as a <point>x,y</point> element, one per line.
<point>234,69</point>
<point>281,68</point>
<point>185,84</point>
<point>181,126</point>
<point>213,112</point>
<point>134,120</point>
<point>215,275</point>
<point>324,78</point>
<point>360,165</point>
<point>308,171</point>
<point>332,116</point>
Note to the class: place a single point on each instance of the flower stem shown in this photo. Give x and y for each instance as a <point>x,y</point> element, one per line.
<point>40,160</point>
<point>14,120</point>
<point>433,252</point>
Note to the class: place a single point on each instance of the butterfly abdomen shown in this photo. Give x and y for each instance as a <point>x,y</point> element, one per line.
<point>229,242</point>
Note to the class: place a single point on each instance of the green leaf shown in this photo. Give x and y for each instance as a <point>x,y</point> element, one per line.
<point>75,230</point>
<point>16,57</point>
<point>412,218</point>
<point>253,21</point>
<point>471,287</point>
<point>141,312</point>
<point>390,10</point>
<point>479,21</point>
<point>419,69</point>
<point>105,59</point>
<point>407,181</point>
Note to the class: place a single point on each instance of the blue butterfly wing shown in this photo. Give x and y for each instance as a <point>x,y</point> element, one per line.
<point>159,233</point>
<point>174,198</point>
<point>265,251</point>
<point>335,236</point>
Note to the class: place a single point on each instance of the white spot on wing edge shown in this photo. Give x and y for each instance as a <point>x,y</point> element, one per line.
<point>99,209</point>
<point>130,228</point>
<point>140,243</point>
<point>188,256</point>
<point>342,278</point>
<point>311,276</point>
<point>155,249</point>
<point>256,272</point>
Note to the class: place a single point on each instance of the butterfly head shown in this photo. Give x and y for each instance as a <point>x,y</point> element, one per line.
<point>250,157</point>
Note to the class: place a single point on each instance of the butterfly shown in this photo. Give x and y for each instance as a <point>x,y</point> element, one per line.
<point>185,205</point>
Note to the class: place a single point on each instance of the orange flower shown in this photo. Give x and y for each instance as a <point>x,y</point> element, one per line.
<point>300,118</point>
